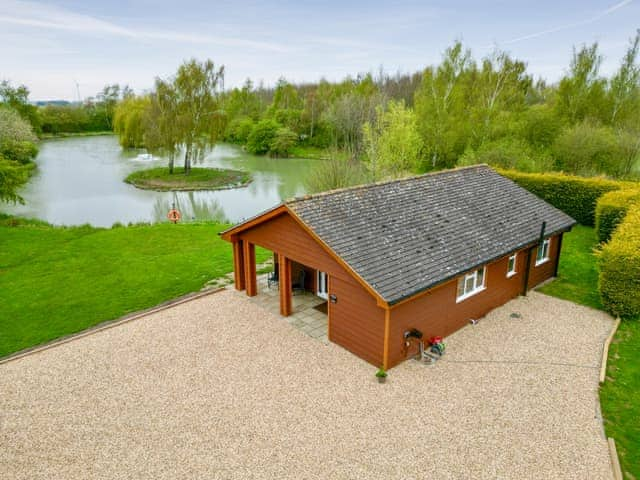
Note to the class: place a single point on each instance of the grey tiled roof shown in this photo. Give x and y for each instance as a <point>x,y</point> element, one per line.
<point>405,236</point>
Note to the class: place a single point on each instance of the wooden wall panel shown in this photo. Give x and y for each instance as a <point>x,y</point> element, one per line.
<point>438,313</point>
<point>357,323</point>
<point>283,235</point>
<point>546,270</point>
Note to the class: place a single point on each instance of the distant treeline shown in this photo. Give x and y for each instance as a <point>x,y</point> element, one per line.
<point>93,114</point>
<point>461,111</point>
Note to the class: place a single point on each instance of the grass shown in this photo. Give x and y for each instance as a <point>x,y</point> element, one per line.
<point>44,136</point>
<point>317,153</point>
<point>55,281</point>
<point>620,394</point>
<point>578,273</point>
<point>198,179</point>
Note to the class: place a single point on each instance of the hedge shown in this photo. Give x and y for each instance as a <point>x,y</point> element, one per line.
<point>576,196</point>
<point>619,262</point>
<point>611,210</point>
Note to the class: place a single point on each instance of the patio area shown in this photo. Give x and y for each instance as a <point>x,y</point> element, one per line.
<point>306,316</point>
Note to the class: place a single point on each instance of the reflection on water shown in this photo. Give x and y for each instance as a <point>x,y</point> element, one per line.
<point>79,180</point>
<point>191,208</point>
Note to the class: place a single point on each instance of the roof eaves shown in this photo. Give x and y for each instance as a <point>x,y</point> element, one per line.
<point>240,226</point>
<point>477,265</point>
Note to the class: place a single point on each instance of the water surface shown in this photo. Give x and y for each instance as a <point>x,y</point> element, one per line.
<point>80,180</point>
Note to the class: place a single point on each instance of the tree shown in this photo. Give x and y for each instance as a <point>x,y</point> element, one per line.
<point>282,143</point>
<point>335,173</point>
<point>392,142</point>
<point>500,86</point>
<point>243,102</point>
<point>624,87</point>
<point>12,176</point>
<point>589,149</point>
<point>441,106</point>
<point>17,98</point>
<point>162,131</point>
<point>260,138</point>
<point>581,93</point>
<point>17,150</point>
<point>189,111</point>
<point>108,100</point>
<point>128,121</point>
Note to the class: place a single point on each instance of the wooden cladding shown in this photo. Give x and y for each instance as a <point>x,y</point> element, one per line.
<point>438,313</point>
<point>357,323</point>
<point>283,235</point>
<point>546,270</point>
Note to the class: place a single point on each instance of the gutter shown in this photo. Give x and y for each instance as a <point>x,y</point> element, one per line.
<point>484,262</point>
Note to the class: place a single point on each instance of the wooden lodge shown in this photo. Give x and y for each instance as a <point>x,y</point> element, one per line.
<point>428,253</point>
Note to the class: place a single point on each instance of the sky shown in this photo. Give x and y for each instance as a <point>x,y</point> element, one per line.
<point>59,47</point>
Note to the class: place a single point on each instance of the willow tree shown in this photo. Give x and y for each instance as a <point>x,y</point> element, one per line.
<point>186,115</point>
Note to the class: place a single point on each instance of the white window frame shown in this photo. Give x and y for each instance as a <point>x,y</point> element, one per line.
<point>477,287</point>
<point>513,271</point>
<point>544,248</point>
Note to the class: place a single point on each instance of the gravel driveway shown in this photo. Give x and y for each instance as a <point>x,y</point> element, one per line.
<point>218,388</point>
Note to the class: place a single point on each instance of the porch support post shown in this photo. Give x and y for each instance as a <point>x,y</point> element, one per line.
<point>284,279</point>
<point>238,265</point>
<point>249,254</point>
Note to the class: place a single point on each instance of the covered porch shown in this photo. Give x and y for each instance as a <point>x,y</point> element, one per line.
<point>297,292</point>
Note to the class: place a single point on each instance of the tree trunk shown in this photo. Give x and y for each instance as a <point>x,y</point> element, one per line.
<point>171,162</point>
<point>187,160</point>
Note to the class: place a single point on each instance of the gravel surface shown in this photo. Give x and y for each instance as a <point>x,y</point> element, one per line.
<point>218,388</point>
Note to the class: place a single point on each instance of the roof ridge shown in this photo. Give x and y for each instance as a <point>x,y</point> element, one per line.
<point>364,186</point>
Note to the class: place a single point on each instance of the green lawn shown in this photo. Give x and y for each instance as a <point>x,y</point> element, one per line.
<point>578,273</point>
<point>620,395</point>
<point>198,179</point>
<point>56,281</point>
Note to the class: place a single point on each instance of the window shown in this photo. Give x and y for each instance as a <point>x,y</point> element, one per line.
<point>511,266</point>
<point>471,283</point>
<point>543,252</point>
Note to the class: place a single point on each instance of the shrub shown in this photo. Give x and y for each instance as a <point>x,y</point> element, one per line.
<point>335,173</point>
<point>576,196</point>
<point>611,209</point>
<point>588,149</point>
<point>19,151</point>
<point>619,262</point>
<point>239,129</point>
<point>261,136</point>
<point>13,128</point>
<point>510,154</point>
<point>283,142</point>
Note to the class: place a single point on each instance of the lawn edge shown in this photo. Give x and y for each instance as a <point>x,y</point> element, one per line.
<point>107,324</point>
<point>605,351</point>
<point>615,461</point>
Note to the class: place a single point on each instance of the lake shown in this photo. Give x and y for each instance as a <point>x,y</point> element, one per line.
<point>80,180</point>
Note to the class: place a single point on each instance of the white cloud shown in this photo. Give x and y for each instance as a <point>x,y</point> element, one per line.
<point>568,26</point>
<point>40,15</point>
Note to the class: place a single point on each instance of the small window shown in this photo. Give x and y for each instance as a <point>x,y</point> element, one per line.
<point>511,266</point>
<point>471,283</point>
<point>543,252</point>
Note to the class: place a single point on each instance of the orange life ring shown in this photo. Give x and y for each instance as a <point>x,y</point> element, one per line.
<point>174,215</point>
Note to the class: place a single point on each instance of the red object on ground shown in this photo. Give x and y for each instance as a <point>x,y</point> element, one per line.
<point>174,215</point>
<point>434,340</point>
